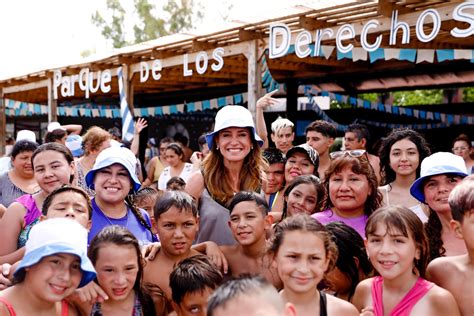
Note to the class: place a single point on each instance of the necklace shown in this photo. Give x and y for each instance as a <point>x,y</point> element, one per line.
<point>108,218</point>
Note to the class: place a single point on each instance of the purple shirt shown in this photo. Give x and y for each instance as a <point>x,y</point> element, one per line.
<point>129,221</point>
<point>328,216</point>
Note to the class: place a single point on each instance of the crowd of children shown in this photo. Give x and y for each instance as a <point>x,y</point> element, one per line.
<point>242,230</point>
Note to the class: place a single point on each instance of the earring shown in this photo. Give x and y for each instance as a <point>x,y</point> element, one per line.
<point>251,148</point>
<point>217,147</point>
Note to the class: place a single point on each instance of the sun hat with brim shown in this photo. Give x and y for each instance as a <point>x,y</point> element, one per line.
<point>232,116</point>
<point>436,164</point>
<point>74,143</point>
<point>113,155</point>
<point>55,236</point>
<point>308,151</point>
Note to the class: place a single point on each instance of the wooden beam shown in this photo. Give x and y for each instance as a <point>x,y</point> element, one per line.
<point>246,35</point>
<point>3,123</point>
<point>311,23</point>
<point>25,87</point>
<point>52,103</point>
<point>200,45</point>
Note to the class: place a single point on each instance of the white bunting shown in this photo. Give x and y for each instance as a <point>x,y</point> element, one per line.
<point>463,54</point>
<point>425,55</point>
<point>358,53</point>
<point>392,53</point>
<point>327,50</point>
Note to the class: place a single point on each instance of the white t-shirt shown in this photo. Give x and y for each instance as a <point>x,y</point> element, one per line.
<point>166,175</point>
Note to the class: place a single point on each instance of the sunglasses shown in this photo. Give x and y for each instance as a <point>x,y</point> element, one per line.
<point>351,153</point>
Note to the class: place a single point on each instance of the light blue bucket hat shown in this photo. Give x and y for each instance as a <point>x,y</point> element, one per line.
<point>54,236</point>
<point>113,155</point>
<point>436,164</point>
<point>233,116</point>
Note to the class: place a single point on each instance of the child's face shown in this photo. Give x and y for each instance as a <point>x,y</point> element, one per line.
<point>54,277</point>
<point>177,230</point>
<point>194,304</point>
<point>247,223</point>
<point>71,205</point>
<point>147,203</point>
<point>391,253</point>
<point>437,189</point>
<point>465,230</point>
<point>117,268</point>
<point>404,157</point>
<point>302,199</point>
<point>301,261</point>
<point>112,184</point>
<point>298,165</point>
<point>275,178</point>
<point>52,170</point>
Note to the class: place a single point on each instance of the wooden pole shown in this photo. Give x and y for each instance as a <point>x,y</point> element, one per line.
<point>128,88</point>
<point>3,123</point>
<point>254,80</point>
<point>52,103</point>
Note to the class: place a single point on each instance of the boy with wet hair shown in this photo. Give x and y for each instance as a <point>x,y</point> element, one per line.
<point>192,281</point>
<point>177,223</point>
<point>274,184</point>
<point>249,221</point>
<point>456,273</point>
<point>250,296</point>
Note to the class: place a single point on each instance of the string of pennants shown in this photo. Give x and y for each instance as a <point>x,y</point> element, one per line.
<point>411,55</point>
<point>17,108</point>
<point>438,119</point>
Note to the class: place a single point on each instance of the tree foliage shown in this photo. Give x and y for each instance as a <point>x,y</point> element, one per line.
<point>149,23</point>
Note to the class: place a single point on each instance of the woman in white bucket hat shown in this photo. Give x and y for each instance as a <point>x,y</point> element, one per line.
<point>439,174</point>
<point>233,164</point>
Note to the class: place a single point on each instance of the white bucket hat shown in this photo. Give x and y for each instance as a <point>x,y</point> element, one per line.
<point>74,143</point>
<point>113,155</point>
<point>26,134</point>
<point>58,235</point>
<point>436,164</point>
<point>232,116</point>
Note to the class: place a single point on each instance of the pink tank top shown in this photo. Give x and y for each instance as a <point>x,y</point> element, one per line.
<point>405,306</point>
<point>11,310</point>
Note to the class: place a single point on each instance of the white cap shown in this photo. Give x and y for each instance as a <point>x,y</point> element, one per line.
<point>26,134</point>
<point>54,125</point>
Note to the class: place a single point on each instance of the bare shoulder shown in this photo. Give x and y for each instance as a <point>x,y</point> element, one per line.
<point>195,184</point>
<point>441,302</point>
<point>442,268</point>
<point>362,297</point>
<point>337,306</point>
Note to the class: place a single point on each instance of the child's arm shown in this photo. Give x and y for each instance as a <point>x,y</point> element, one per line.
<point>10,228</point>
<point>362,297</point>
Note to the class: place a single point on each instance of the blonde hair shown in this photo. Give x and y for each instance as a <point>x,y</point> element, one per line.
<point>93,139</point>
<point>280,123</point>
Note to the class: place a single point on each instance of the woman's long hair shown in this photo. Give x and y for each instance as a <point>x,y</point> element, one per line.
<point>217,180</point>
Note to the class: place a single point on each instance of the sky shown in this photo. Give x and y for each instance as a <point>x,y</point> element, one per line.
<point>37,35</point>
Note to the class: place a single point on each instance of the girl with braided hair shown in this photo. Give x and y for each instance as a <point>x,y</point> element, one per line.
<point>113,178</point>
